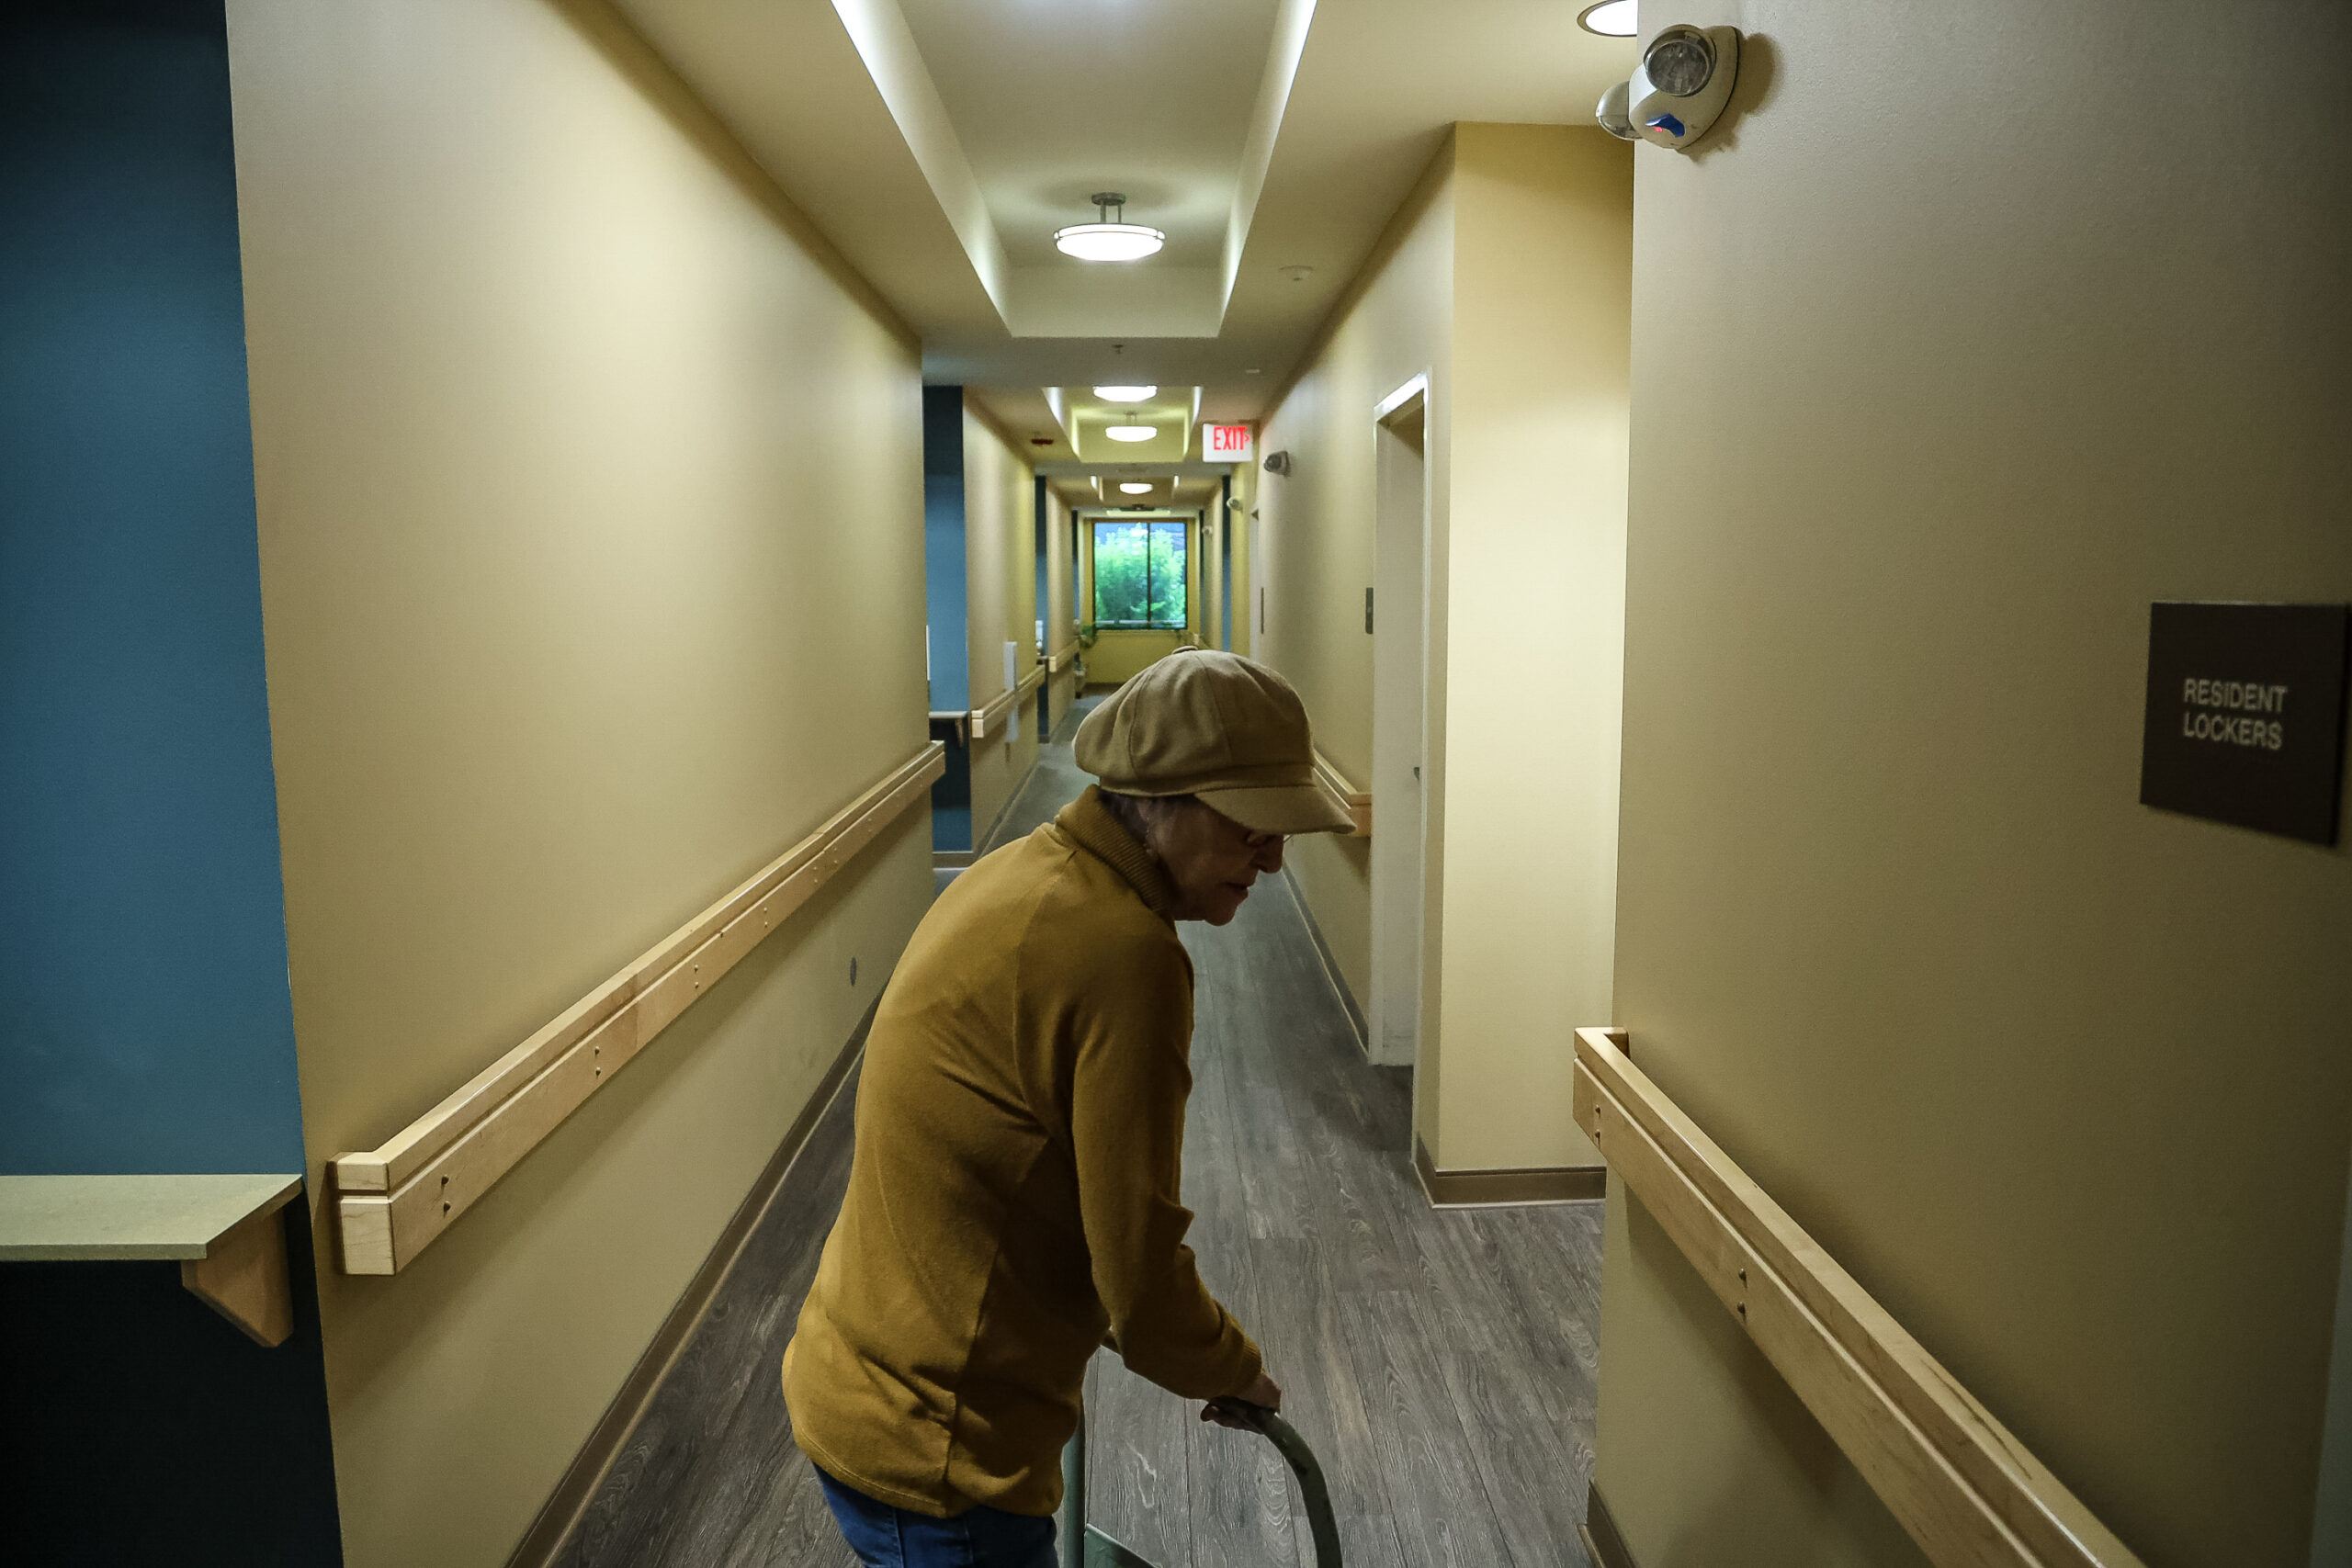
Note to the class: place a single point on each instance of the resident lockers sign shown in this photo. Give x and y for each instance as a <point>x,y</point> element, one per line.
<point>2246,714</point>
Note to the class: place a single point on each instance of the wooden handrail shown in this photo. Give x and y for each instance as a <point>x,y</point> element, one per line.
<point>986,718</point>
<point>395,1200</point>
<point>1357,801</point>
<point>1061,657</point>
<point>1960,1483</point>
<point>998,706</point>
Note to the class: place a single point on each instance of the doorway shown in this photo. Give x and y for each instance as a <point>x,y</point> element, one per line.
<point>1399,617</point>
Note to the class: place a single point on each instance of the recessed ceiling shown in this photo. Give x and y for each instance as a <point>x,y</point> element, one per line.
<point>1088,420</point>
<point>1053,101</point>
<point>1181,492</point>
<point>938,144</point>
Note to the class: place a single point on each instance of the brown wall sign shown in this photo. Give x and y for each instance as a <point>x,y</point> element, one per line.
<point>2246,714</point>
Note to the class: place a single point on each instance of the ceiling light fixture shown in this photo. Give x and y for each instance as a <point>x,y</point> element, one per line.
<point>1611,19</point>
<point>1131,487</point>
<point>1125,394</point>
<point>1108,239</point>
<point>1131,431</point>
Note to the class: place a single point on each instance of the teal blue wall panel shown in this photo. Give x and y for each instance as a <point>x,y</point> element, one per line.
<point>145,1022</point>
<point>947,605</point>
<point>144,1017</point>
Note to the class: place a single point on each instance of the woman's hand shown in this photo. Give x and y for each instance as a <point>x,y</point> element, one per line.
<point>1266,1392</point>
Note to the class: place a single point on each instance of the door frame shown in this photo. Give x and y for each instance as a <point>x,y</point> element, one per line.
<point>1399,857</point>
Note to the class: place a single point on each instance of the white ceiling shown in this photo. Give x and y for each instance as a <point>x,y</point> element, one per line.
<point>938,144</point>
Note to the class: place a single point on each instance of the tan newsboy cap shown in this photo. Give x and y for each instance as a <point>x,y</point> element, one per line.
<point>1220,727</point>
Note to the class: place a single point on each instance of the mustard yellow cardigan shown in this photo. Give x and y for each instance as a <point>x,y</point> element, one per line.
<point>1012,1194</point>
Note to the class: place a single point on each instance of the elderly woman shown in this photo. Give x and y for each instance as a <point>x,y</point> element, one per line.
<point>1013,1200</point>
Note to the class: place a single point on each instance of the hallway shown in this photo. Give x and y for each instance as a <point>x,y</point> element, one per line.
<point>1807,543</point>
<point>1441,1362</point>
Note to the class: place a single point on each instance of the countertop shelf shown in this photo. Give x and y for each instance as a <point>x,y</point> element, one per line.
<point>58,1218</point>
<point>222,1230</point>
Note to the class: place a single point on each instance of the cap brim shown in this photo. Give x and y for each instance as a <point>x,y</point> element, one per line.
<point>1281,809</point>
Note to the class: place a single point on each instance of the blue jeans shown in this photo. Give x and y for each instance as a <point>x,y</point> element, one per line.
<point>885,1537</point>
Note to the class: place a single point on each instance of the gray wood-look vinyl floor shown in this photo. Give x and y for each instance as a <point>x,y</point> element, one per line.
<point>1442,1362</point>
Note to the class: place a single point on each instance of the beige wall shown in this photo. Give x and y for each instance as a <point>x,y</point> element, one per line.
<point>1525,771</point>
<point>1118,656</point>
<point>590,498</point>
<point>1728,1471</point>
<point>1209,539</point>
<point>1934,397</point>
<point>1245,593</point>
<point>1000,759</point>
<point>1506,280</point>
<point>1059,610</point>
<point>1314,528</point>
<point>1001,587</point>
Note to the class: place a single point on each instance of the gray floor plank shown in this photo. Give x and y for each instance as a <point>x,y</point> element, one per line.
<point>1444,1519</point>
<point>1297,1307</point>
<point>1139,1485</point>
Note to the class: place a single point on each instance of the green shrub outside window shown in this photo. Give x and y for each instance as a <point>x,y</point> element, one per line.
<point>1139,576</point>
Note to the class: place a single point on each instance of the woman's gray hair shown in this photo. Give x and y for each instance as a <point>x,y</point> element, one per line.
<point>1139,813</point>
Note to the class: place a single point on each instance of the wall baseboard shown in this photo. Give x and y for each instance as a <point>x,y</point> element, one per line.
<point>1603,1542</point>
<point>561,1514</point>
<point>1330,966</point>
<point>1490,1189</point>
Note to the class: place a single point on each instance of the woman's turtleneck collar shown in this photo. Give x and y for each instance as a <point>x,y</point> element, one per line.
<point>1090,822</point>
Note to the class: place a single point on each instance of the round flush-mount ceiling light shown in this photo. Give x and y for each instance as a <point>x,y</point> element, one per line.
<point>1133,487</point>
<point>1131,431</point>
<point>1126,394</point>
<point>1108,239</point>
<point>1611,19</point>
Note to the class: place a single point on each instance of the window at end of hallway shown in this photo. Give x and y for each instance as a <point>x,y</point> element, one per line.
<point>1139,576</point>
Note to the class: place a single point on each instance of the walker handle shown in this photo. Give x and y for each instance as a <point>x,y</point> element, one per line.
<point>1313,1490</point>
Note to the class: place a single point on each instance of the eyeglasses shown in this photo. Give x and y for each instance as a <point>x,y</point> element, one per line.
<point>1261,840</point>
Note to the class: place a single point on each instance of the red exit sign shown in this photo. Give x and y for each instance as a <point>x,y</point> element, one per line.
<point>1225,442</point>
